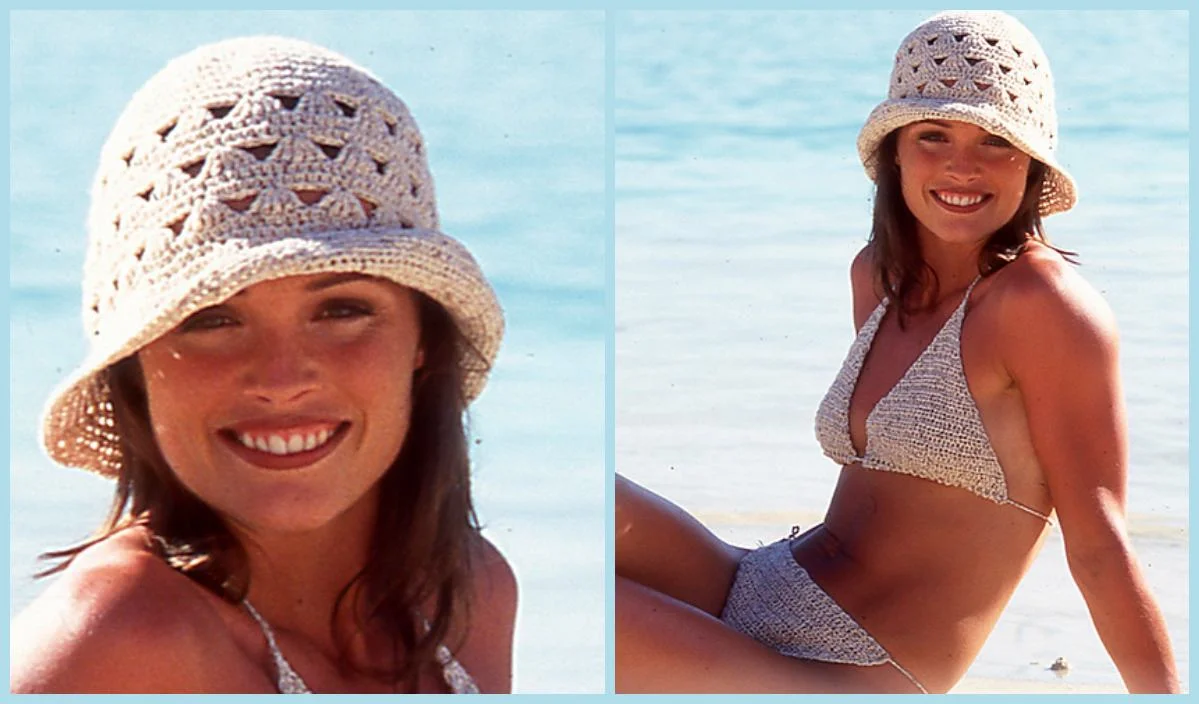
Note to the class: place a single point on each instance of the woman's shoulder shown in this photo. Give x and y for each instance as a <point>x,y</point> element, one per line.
<point>865,285</point>
<point>494,578</point>
<point>486,651</point>
<point>117,619</point>
<point>1045,305</point>
<point>863,272</point>
<point>1041,288</point>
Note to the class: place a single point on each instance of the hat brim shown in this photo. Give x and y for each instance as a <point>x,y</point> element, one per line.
<point>77,425</point>
<point>1058,193</point>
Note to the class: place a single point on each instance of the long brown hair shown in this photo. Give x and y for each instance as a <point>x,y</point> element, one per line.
<point>425,529</point>
<point>898,262</point>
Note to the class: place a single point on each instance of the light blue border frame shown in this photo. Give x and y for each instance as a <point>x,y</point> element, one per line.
<point>610,350</point>
<point>609,7</point>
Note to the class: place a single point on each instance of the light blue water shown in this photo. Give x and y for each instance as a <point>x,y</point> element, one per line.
<point>511,105</point>
<point>740,203</point>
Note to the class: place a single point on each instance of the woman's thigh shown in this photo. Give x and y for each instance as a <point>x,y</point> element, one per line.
<point>661,546</point>
<point>666,646</point>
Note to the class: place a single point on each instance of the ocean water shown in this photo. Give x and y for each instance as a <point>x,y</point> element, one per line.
<point>512,108</point>
<point>740,203</point>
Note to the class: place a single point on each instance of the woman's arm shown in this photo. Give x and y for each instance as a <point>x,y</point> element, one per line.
<point>1059,344</point>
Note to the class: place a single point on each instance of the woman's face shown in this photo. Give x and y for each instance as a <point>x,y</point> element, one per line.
<point>961,182</point>
<point>282,407</point>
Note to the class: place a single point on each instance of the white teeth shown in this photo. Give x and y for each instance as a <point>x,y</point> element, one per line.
<point>958,200</point>
<point>295,443</point>
<point>276,445</point>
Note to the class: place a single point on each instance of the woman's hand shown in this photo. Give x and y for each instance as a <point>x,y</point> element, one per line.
<point>1060,346</point>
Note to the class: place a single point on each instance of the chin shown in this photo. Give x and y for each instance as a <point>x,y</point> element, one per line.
<point>283,510</point>
<point>963,235</point>
<point>290,520</point>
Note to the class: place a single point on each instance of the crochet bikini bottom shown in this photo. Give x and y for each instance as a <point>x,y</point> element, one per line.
<point>775,602</point>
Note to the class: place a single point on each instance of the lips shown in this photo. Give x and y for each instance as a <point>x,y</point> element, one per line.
<point>284,446</point>
<point>960,201</point>
<point>286,442</point>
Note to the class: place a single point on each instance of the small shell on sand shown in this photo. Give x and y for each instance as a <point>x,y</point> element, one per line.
<point>1060,666</point>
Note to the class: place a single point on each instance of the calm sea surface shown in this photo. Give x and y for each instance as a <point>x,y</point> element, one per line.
<point>512,106</point>
<point>740,203</point>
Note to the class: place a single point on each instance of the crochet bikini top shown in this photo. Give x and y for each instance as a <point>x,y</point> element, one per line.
<point>288,681</point>
<point>926,426</point>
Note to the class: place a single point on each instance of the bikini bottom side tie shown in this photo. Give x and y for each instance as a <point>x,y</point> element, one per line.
<point>775,602</point>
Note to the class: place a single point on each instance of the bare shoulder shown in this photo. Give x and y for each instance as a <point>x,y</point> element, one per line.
<point>494,578</point>
<point>487,649</point>
<point>1041,294</point>
<point>863,279</point>
<point>118,619</point>
<point>862,274</point>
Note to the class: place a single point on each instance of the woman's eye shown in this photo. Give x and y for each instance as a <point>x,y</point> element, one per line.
<point>931,137</point>
<point>997,142</point>
<point>208,319</point>
<point>346,310</point>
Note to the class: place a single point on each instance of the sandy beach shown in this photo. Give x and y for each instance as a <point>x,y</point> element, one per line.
<point>1050,685</point>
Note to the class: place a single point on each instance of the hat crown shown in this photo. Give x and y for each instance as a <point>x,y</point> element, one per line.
<point>241,142</point>
<point>988,60</point>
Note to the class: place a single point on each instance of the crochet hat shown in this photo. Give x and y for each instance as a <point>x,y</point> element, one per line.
<point>984,68</point>
<point>240,162</point>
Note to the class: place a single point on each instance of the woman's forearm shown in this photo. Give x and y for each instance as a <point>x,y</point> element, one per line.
<point>1128,619</point>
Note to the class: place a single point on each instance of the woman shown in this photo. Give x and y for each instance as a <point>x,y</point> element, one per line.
<point>982,363</point>
<point>282,348</point>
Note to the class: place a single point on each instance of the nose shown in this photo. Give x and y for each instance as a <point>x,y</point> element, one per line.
<point>963,162</point>
<point>281,371</point>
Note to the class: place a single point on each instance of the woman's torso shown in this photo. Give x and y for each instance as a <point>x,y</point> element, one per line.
<point>924,563</point>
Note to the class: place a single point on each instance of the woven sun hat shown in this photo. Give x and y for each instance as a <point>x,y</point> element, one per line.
<point>981,67</point>
<point>240,162</point>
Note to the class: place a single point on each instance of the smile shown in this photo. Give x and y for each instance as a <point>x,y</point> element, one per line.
<point>287,443</point>
<point>957,200</point>
<point>286,447</point>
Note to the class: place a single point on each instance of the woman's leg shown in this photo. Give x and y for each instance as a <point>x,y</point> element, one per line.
<point>666,646</point>
<point>661,546</point>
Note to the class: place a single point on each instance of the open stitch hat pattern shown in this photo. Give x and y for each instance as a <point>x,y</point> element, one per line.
<point>980,67</point>
<point>244,161</point>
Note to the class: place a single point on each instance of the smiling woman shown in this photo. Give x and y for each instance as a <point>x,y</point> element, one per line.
<point>978,405</point>
<point>283,344</point>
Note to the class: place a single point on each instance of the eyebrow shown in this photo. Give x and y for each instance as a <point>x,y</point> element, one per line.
<point>337,279</point>
<point>328,281</point>
<point>938,123</point>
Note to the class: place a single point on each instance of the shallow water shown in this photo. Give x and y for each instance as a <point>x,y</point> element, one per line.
<point>511,105</point>
<point>740,203</point>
